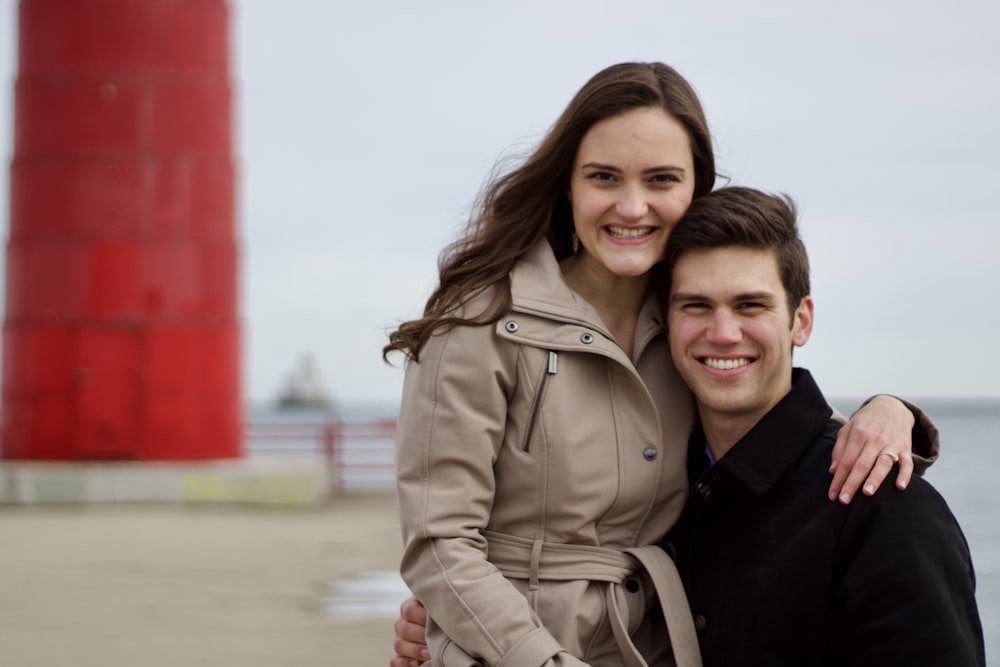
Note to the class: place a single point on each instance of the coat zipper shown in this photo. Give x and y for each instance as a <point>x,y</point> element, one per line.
<point>536,404</point>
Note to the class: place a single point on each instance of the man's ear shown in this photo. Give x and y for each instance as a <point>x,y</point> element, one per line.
<point>802,322</point>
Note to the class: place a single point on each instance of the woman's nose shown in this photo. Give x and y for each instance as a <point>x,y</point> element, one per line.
<point>632,204</point>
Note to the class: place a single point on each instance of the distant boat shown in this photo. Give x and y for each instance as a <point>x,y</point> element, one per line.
<point>304,390</point>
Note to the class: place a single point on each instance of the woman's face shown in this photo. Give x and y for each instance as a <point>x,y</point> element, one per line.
<point>632,180</point>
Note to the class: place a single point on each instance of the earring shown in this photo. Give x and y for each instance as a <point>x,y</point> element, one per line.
<point>576,243</point>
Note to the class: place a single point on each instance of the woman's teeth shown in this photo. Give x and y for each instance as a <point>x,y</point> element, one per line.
<point>629,232</point>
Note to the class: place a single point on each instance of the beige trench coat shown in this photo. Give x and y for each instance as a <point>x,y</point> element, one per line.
<point>532,454</point>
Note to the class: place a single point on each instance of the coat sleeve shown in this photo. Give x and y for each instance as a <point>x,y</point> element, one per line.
<point>926,443</point>
<point>906,586</point>
<point>450,430</point>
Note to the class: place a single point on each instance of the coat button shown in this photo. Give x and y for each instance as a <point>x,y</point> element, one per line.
<point>632,586</point>
<point>649,453</point>
<point>587,339</point>
<point>699,622</point>
<point>511,327</point>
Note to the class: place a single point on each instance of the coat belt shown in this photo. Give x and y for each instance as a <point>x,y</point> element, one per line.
<point>535,560</point>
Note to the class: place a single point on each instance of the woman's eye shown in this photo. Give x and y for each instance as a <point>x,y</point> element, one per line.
<point>664,179</point>
<point>601,176</point>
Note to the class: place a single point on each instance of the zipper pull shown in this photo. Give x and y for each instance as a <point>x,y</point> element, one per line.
<point>553,362</point>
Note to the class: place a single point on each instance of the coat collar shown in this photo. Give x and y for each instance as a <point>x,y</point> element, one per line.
<point>760,457</point>
<point>537,288</point>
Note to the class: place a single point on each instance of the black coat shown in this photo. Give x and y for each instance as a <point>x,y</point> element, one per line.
<point>777,574</point>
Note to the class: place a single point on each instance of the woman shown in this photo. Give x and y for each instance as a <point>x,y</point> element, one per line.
<point>542,430</point>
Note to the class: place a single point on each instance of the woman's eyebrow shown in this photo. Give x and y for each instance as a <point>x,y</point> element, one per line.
<point>648,170</point>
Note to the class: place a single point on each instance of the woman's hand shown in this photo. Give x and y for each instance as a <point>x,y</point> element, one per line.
<point>868,445</point>
<point>411,635</point>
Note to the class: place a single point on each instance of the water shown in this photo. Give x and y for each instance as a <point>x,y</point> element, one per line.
<point>966,476</point>
<point>970,435</point>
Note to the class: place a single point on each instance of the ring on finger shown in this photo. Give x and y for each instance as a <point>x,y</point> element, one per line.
<point>891,455</point>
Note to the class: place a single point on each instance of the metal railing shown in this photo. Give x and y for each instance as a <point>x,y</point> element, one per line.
<point>358,454</point>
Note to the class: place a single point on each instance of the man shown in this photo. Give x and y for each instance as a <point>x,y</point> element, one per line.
<point>775,573</point>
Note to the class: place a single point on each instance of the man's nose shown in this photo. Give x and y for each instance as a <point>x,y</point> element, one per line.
<point>725,328</point>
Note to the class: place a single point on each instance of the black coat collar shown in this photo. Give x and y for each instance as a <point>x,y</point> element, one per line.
<point>760,457</point>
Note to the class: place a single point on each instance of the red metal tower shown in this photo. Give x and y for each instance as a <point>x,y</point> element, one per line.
<point>121,335</point>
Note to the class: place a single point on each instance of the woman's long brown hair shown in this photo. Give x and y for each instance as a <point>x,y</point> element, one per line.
<point>517,209</point>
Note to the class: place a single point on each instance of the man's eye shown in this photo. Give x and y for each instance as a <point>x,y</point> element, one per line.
<point>751,305</point>
<point>694,307</point>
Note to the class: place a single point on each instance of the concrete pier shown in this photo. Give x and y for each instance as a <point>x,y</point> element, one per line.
<point>162,585</point>
<point>279,482</point>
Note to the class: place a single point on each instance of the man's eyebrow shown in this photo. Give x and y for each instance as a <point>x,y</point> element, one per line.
<point>754,296</point>
<point>679,297</point>
<point>687,296</point>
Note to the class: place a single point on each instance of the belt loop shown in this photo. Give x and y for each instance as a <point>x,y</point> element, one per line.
<point>536,558</point>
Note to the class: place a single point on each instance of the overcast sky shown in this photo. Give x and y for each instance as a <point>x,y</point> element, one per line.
<point>365,129</point>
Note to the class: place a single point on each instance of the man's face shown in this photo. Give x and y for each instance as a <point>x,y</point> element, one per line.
<point>731,332</point>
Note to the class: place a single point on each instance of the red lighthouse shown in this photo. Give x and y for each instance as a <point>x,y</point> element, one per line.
<point>121,334</point>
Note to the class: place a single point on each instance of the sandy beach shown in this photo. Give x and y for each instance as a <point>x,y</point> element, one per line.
<point>175,586</point>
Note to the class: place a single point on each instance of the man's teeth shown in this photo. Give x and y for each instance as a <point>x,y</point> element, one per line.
<point>629,232</point>
<point>726,364</point>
